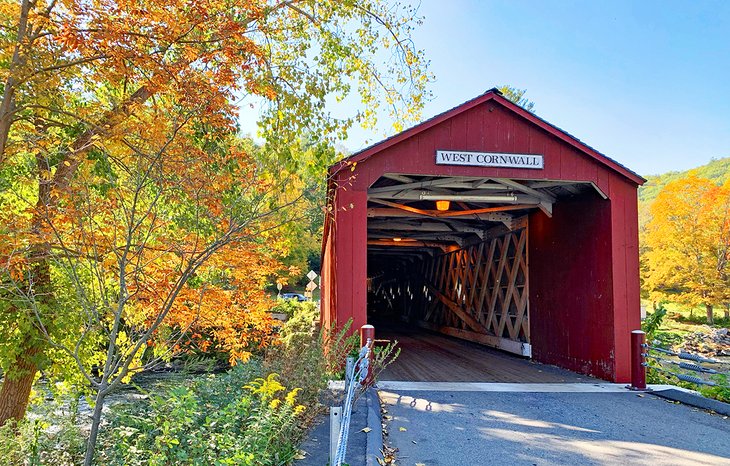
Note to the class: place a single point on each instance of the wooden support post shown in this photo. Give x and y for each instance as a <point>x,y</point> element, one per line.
<point>638,370</point>
<point>367,337</point>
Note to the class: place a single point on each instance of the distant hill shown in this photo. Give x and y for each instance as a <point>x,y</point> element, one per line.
<point>718,170</point>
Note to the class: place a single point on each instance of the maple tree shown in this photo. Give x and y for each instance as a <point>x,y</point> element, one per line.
<point>687,244</point>
<point>128,205</point>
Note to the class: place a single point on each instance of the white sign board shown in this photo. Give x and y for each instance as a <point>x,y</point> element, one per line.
<point>489,159</point>
<point>312,275</point>
<point>311,286</point>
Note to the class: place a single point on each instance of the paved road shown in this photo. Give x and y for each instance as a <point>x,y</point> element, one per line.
<point>441,428</point>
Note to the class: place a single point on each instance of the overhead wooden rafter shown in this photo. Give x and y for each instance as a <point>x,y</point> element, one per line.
<point>487,192</point>
<point>409,244</point>
<point>478,203</point>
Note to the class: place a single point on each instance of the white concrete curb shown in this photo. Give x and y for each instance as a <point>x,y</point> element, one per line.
<point>504,387</point>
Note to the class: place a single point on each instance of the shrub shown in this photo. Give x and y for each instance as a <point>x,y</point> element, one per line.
<point>307,357</point>
<point>232,418</point>
<point>290,307</point>
<point>50,437</point>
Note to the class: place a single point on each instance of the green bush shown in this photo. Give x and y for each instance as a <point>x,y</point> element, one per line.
<point>234,418</point>
<point>307,357</point>
<point>50,437</point>
<point>291,307</point>
<point>245,416</point>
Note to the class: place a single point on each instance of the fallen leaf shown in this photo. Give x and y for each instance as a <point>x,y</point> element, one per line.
<point>402,429</point>
<point>420,464</point>
<point>366,429</point>
<point>640,395</point>
<point>414,442</point>
<point>301,454</point>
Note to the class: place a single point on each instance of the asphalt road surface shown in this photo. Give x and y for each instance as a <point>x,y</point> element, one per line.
<point>451,427</point>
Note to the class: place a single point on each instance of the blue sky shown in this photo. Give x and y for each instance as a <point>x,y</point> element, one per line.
<point>645,82</point>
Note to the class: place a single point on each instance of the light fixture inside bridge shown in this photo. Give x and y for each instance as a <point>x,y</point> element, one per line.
<point>443,205</point>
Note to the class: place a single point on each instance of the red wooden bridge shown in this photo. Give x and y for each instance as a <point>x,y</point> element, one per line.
<point>488,224</point>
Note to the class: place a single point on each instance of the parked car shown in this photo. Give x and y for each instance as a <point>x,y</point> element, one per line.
<point>297,296</point>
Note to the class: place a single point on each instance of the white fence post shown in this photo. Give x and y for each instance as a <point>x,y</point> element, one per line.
<point>335,423</point>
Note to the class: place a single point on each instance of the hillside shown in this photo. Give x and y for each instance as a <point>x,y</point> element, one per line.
<point>718,170</point>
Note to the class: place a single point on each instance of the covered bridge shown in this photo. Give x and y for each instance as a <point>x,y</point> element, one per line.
<point>489,224</point>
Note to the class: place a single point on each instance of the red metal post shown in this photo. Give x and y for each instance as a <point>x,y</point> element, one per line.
<point>367,337</point>
<point>638,370</point>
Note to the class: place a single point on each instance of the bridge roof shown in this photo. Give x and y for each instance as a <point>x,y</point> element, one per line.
<point>495,96</point>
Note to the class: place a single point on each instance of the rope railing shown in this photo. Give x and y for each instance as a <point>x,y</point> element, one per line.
<point>643,352</point>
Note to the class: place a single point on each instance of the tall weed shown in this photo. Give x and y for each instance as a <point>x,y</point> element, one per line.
<point>234,418</point>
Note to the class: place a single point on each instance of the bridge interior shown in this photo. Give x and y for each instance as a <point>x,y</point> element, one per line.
<point>450,255</point>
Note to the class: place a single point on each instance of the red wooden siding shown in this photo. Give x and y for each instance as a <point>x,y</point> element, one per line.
<point>571,309</point>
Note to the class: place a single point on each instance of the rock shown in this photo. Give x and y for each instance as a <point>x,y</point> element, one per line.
<point>708,342</point>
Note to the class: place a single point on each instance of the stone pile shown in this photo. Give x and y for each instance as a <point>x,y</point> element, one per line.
<point>710,342</point>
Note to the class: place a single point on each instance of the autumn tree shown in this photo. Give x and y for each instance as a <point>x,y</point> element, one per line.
<point>517,96</point>
<point>127,205</point>
<point>688,242</point>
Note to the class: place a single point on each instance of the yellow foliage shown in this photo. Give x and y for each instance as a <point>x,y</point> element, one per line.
<point>688,241</point>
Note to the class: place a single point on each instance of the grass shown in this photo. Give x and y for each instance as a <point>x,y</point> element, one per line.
<point>678,322</point>
<point>682,320</point>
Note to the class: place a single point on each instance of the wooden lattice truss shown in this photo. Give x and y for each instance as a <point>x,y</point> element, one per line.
<point>481,289</point>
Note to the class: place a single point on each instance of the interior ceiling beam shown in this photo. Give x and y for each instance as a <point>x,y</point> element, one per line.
<point>546,207</point>
<point>548,183</point>
<point>599,191</point>
<point>415,185</point>
<point>573,189</point>
<point>484,198</point>
<point>445,183</point>
<point>381,212</point>
<point>405,226</point>
<point>525,189</point>
<point>385,250</point>
<point>376,212</point>
<point>397,177</point>
<point>410,244</point>
<point>414,236</point>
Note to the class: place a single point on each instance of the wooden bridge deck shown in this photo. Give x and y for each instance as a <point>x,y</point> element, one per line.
<point>431,357</point>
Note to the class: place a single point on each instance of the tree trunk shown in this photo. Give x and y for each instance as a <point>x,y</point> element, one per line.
<point>727,311</point>
<point>710,316</point>
<point>95,423</point>
<point>15,391</point>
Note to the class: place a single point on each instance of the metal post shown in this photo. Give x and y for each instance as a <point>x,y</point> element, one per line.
<point>349,371</point>
<point>335,423</point>
<point>638,370</point>
<point>367,337</point>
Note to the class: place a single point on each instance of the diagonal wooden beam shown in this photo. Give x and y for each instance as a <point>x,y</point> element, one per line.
<point>465,317</point>
<point>426,213</point>
<point>486,210</point>
<point>397,177</point>
<point>525,189</point>
<point>416,185</point>
<point>437,213</point>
